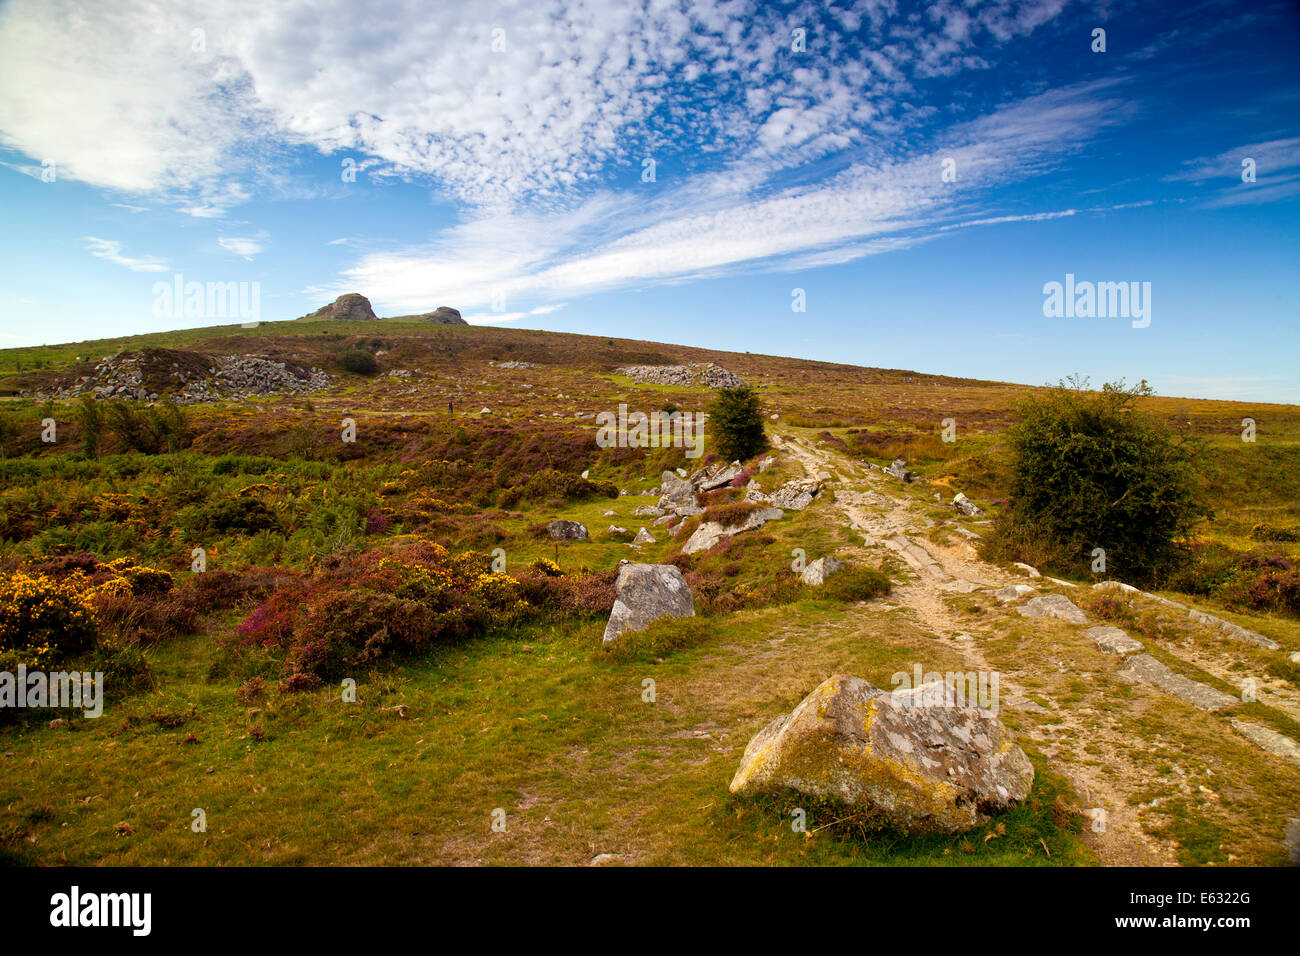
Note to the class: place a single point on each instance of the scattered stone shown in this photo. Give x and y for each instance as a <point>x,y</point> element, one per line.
<point>615,529</point>
<point>485,410</point>
<point>1014,592</point>
<point>643,537</point>
<point>1112,640</point>
<point>910,766</point>
<point>796,495</point>
<point>715,476</point>
<point>674,491</point>
<point>647,511</point>
<point>900,470</point>
<point>605,859</point>
<point>1268,739</point>
<point>647,592</point>
<point>1027,569</point>
<point>567,531</point>
<point>1053,605</point>
<point>1115,586</point>
<point>711,532</point>
<point>966,506</point>
<point>1147,669</point>
<point>816,573</point>
<point>1234,631</point>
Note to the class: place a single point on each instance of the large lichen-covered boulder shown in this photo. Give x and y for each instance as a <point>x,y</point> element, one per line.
<point>647,592</point>
<point>894,756</point>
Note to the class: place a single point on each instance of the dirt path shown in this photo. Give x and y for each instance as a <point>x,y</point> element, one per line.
<point>1087,737</point>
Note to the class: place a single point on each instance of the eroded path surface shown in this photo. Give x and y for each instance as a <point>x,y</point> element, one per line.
<point>1132,734</point>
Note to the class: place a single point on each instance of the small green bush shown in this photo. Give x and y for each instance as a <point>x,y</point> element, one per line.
<point>663,637</point>
<point>857,583</point>
<point>358,361</point>
<point>1091,471</point>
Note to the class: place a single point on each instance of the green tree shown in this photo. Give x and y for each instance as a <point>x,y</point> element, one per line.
<point>1089,470</point>
<point>736,419</point>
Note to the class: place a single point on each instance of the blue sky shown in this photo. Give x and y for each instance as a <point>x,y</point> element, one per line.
<point>502,158</point>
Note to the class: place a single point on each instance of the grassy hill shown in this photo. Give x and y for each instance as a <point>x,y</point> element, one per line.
<point>524,711</point>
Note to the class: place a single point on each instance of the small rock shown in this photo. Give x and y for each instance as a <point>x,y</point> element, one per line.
<point>567,531</point>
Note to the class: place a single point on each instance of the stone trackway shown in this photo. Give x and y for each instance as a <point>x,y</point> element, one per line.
<point>887,523</point>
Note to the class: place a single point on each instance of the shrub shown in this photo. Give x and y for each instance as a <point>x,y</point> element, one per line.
<point>379,606</point>
<point>144,428</point>
<point>43,620</point>
<point>663,637</point>
<point>856,583</point>
<point>730,515</point>
<point>552,485</point>
<point>736,418</point>
<point>358,361</point>
<point>1264,532</point>
<point>1090,470</point>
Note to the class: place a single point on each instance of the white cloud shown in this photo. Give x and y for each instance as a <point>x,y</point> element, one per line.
<point>111,251</point>
<point>246,246</point>
<point>723,221</point>
<point>124,97</point>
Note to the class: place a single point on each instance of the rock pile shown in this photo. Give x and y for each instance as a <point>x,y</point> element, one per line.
<point>234,376</point>
<point>684,376</point>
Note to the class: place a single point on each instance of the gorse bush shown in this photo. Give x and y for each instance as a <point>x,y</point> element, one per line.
<point>1091,471</point>
<point>736,423</point>
<point>43,620</point>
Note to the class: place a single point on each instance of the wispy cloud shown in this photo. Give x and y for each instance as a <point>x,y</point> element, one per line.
<point>245,246</point>
<point>111,251</point>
